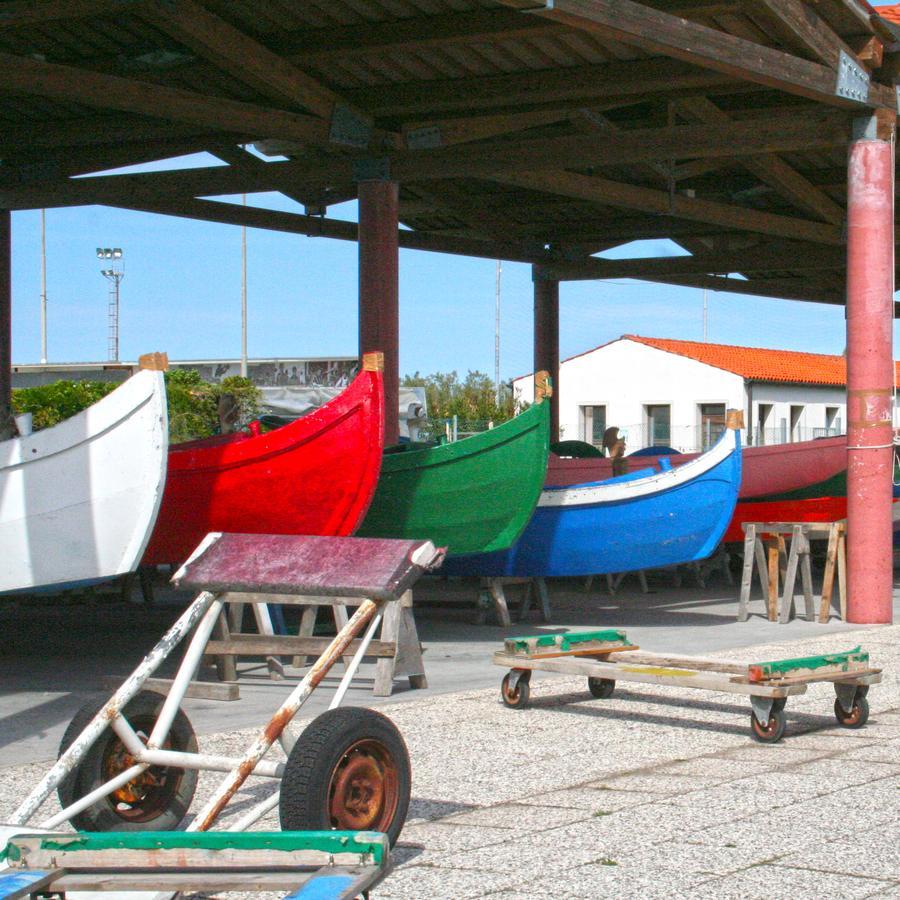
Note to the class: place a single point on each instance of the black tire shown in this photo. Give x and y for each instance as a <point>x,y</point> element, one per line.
<point>601,688</point>
<point>158,800</point>
<point>857,717</point>
<point>772,731</point>
<point>349,770</point>
<point>516,698</point>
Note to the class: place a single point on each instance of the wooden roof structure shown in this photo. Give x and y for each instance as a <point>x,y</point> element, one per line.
<point>542,131</point>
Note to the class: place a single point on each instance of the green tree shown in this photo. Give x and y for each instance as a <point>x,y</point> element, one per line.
<point>472,400</point>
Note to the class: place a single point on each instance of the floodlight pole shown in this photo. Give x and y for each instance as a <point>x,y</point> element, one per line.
<point>114,276</point>
<point>43,286</point>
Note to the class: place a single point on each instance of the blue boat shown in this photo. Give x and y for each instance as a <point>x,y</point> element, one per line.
<point>641,520</point>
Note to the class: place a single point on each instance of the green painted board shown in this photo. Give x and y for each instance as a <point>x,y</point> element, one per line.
<point>566,642</point>
<point>372,843</point>
<point>841,662</point>
<point>471,496</point>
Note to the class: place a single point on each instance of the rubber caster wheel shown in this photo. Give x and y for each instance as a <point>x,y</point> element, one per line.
<point>773,730</point>
<point>155,800</point>
<point>517,697</point>
<point>349,770</point>
<point>857,717</point>
<point>601,688</point>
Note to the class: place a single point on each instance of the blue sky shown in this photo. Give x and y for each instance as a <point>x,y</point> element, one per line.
<point>181,293</point>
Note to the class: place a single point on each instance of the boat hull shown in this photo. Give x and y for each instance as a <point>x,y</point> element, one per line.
<point>470,496</point>
<point>767,470</point>
<point>78,500</point>
<point>640,521</point>
<point>315,475</point>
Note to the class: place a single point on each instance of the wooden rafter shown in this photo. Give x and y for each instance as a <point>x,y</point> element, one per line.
<point>771,169</point>
<point>614,81</point>
<point>22,75</point>
<point>22,13</point>
<point>639,25</point>
<point>629,196</point>
<point>246,59</point>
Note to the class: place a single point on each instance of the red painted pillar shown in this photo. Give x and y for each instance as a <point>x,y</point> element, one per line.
<point>6,429</point>
<point>546,338</point>
<point>379,307</point>
<point>870,368</point>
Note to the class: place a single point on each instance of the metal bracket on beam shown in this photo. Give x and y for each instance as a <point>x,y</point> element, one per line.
<point>426,138</point>
<point>852,79</point>
<point>349,128</point>
<point>372,169</point>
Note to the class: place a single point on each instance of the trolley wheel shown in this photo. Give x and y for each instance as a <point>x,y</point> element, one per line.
<point>601,688</point>
<point>157,799</point>
<point>517,697</point>
<point>348,770</point>
<point>773,730</point>
<point>857,717</point>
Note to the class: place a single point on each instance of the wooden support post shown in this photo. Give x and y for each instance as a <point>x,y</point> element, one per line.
<point>747,573</point>
<point>546,338</point>
<point>379,309</point>
<point>7,429</point>
<point>399,627</point>
<point>870,367</point>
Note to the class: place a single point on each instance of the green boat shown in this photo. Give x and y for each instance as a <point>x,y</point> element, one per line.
<point>471,496</point>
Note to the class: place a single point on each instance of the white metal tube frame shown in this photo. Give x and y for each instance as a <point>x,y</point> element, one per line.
<point>202,613</point>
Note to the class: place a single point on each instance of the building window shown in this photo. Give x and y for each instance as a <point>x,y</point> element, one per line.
<point>712,423</point>
<point>658,428</point>
<point>833,425</point>
<point>763,424</point>
<point>593,424</point>
<point>796,432</point>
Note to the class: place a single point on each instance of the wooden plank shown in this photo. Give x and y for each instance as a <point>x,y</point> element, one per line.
<point>746,573</point>
<point>828,577</point>
<point>285,645</point>
<point>824,664</point>
<point>773,582</point>
<point>196,690</point>
<point>701,663</point>
<point>647,674</point>
<point>640,26</point>
<point>630,196</point>
<point>24,75</point>
<point>762,569</point>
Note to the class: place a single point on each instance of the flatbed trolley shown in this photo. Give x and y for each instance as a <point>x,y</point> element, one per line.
<point>605,657</point>
<point>312,865</point>
<point>131,763</point>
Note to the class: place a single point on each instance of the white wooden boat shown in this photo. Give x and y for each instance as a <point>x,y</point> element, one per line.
<point>78,501</point>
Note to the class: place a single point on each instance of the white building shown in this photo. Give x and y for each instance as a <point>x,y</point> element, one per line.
<point>663,392</point>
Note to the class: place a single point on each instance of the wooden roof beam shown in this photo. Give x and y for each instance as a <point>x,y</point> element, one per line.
<point>23,75</point>
<point>785,257</point>
<point>24,13</point>
<point>648,200</point>
<point>771,169</point>
<point>248,61</point>
<point>582,85</point>
<point>803,27</point>
<point>642,26</point>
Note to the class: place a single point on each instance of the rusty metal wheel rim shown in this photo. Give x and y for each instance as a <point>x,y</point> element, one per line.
<point>767,730</point>
<point>511,694</point>
<point>852,717</point>
<point>150,793</point>
<point>364,788</point>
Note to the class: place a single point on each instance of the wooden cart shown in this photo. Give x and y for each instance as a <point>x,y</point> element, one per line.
<point>605,657</point>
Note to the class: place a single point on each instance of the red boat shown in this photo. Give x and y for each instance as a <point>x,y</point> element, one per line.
<point>316,475</point>
<point>773,469</point>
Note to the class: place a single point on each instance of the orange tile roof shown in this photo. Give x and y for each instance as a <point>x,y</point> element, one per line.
<point>758,363</point>
<point>891,13</point>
